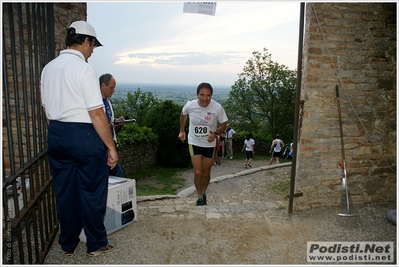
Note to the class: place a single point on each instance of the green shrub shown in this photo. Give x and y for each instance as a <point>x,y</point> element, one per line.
<point>132,133</point>
<point>164,119</point>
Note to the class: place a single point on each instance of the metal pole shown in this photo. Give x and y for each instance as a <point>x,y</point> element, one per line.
<point>344,179</point>
<point>297,101</point>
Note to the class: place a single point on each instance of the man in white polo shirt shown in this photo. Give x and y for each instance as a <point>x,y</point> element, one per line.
<point>80,145</point>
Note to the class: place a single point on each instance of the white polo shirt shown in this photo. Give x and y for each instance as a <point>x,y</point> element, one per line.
<point>70,88</point>
<point>202,121</point>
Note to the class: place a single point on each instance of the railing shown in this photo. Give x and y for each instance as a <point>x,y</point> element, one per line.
<point>29,212</point>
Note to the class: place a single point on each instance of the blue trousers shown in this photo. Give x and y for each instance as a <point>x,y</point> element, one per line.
<point>117,171</point>
<point>78,161</point>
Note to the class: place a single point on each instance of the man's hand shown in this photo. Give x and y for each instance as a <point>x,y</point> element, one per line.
<point>182,136</point>
<point>112,158</point>
<point>121,118</point>
<point>212,136</point>
<point>119,126</point>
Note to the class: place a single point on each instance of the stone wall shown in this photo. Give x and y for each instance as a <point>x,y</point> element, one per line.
<point>136,157</point>
<point>352,45</point>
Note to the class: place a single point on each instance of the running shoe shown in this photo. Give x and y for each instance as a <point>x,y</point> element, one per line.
<point>249,165</point>
<point>204,198</point>
<point>200,202</point>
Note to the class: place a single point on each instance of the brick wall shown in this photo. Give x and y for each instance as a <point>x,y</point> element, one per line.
<point>352,45</point>
<point>64,15</point>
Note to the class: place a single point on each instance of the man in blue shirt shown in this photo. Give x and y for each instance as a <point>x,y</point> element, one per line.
<point>107,87</point>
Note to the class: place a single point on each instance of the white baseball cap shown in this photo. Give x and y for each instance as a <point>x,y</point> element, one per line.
<point>83,27</point>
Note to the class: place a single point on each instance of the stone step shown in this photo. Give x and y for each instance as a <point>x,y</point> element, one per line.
<point>185,207</point>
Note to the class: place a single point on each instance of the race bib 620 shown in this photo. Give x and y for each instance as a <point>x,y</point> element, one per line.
<point>201,131</point>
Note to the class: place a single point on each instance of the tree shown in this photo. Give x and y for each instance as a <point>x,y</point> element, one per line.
<point>262,99</point>
<point>164,119</point>
<point>136,105</point>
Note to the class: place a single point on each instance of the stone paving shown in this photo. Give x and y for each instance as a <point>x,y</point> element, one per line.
<point>183,204</point>
<point>162,219</point>
<point>243,223</point>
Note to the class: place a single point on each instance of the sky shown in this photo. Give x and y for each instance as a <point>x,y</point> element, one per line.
<point>156,43</point>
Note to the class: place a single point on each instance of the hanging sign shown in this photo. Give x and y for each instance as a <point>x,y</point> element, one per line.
<point>206,8</point>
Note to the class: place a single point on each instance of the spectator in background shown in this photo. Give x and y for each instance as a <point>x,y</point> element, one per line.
<point>291,150</point>
<point>249,146</point>
<point>230,135</point>
<point>205,114</point>
<point>80,145</point>
<point>222,144</point>
<point>218,150</point>
<point>107,88</point>
<point>276,146</point>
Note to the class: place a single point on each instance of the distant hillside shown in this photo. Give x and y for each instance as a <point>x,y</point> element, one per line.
<point>180,94</point>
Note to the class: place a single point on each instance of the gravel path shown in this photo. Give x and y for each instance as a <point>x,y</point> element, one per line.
<point>245,222</point>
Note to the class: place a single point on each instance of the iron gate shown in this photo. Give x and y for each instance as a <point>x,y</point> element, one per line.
<point>29,215</point>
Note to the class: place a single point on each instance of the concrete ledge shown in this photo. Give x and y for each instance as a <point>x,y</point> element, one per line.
<point>156,197</point>
<point>186,192</point>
